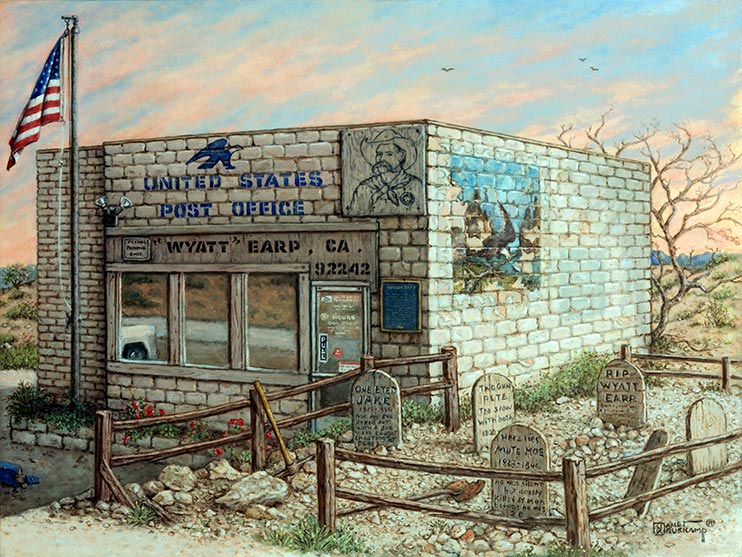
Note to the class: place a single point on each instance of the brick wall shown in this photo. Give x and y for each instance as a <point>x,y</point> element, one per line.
<point>54,336</point>
<point>593,262</point>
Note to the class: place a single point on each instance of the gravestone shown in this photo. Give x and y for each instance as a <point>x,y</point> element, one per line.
<point>622,398</point>
<point>519,447</point>
<point>377,416</point>
<point>706,418</point>
<point>493,408</point>
<point>645,475</point>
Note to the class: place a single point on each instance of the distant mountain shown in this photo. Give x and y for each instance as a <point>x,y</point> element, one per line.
<point>32,272</point>
<point>689,261</point>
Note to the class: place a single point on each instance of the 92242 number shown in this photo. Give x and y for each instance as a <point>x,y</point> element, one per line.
<point>341,268</point>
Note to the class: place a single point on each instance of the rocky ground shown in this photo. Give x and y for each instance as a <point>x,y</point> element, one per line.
<point>221,504</point>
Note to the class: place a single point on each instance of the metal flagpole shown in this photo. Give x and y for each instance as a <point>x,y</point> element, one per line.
<point>75,359</point>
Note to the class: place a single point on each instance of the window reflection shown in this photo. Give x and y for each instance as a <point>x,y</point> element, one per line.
<point>207,319</point>
<point>273,321</point>
<point>144,327</point>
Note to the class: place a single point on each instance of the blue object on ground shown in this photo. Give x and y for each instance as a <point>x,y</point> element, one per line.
<point>12,476</point>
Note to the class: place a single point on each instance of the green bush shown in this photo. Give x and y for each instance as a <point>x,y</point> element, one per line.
<point>16,294</point>
<point>28,402</point>
<point>723,294</point>
<point>24,310</point>
<point>465,408</point>
<point>716,314</point>
<point>307,535</point>
<point>334,431</point>
<point>22,356</point>
<point>72,416</point>
<point>577,378</point>
<point>141,514</point>
<point>415,413</point>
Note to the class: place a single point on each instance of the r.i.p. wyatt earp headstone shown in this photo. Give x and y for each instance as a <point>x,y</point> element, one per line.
<point>621,394</point>
<point>493,408</point>
<point>376,408</point>
<point>706,418</point>
<point>519,447</point>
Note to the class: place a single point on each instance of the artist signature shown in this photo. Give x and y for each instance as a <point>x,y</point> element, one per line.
<point>683,527</point>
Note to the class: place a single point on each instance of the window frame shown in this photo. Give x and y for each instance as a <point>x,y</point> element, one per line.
<point>238,369</point>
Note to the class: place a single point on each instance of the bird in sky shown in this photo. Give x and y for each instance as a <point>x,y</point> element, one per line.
<point>214,152</point>
<point>594,68</point>
<point>447,69</point>
<point>583,59</point>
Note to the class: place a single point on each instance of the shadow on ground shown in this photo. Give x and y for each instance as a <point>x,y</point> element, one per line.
<point>63,473</point>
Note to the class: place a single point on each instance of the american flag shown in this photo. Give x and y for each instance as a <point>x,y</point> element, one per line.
<point>43,107</point>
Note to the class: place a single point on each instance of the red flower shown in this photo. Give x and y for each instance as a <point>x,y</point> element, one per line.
<point>135,405</point>
<point>193,425</point>
<point>240,422</point>
<point>162,412</point>
<point>218,451</point>
<point>125,439</point>
<point>268,435</point>
<point>224,433</point>
<point>149,411</point>
<point>232,421</point>
<point>137,415</point>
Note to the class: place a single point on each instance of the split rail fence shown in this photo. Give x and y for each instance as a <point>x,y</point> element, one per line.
<point>574,475</point>
<point>105,426</point>
<point>725,362</point>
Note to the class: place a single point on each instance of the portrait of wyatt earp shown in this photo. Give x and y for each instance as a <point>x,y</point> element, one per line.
<point>383,170</point>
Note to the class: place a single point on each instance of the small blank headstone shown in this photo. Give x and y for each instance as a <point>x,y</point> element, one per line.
<point>493,408</point>
<point>377,417</point>
<point>519,447</point>
<point>621,394</point>
<point>706,418</point>
<point>645,475</point>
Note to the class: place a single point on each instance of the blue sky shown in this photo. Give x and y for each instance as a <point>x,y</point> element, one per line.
<point>179,67</point>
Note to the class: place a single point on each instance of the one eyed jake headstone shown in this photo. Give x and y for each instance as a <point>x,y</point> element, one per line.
<point>645,475</point>
<point>493,408</point>
<point>523,448</point>
<point>706,418</point>
<point>377,417</point>
<point>622,397</point>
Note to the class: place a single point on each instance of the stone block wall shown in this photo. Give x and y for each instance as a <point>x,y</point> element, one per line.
<point>593,269</point>
<point>54,289</point>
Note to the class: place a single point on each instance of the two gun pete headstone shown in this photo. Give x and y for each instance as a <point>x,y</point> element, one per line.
<point>622,398</point>
<point>377,415</point>
<point>523,448</point>
<point>493,408</point>
<point>645,475</point>
<point>706,418</point>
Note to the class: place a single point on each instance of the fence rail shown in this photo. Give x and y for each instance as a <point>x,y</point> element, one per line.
<point>574,478</point>
<point>726,362</point>
<point>106,426</point>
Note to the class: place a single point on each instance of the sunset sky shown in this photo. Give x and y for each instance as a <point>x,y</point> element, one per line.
<point>149,69</point>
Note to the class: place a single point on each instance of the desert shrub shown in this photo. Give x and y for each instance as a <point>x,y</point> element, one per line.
<point>307,535</point>
<point>21,356</point>
<point>465,408</point>
<point>141,514</point>
<point>663,345</point>
<point>576,378</point>
<point>723,294</point>
<point>24,310</point>
<point>16,294</point>
<point>716,314</point>
<point>28,402</point>
<point>16,275</point>
<point>686,314</point>
<point>416,413</point>
<point>334,431</point>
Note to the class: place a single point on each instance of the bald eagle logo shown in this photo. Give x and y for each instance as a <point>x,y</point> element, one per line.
<point>214,152</point>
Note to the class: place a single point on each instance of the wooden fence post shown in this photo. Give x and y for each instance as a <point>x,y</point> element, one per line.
<point>326,506</point>
<point>625,352</point>
<point>726,373</point>
<point>452,417</point>
<point>103,442</point>
<point>575,502</point>
<point>367,362</point>
<point>257,432</point>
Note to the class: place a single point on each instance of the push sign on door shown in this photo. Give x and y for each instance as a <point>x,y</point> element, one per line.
<point>323,348</point>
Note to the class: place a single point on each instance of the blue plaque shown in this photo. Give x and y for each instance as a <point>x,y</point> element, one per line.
<point>400,306</point>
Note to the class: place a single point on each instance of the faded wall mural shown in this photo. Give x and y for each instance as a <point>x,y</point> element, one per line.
<point>499,244</point>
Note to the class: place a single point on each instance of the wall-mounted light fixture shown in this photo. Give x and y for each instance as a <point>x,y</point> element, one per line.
<point>111,213</point>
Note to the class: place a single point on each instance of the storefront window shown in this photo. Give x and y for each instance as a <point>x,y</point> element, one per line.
<point>207,319</point>
<point>144,325</point>
<point>273,321</point>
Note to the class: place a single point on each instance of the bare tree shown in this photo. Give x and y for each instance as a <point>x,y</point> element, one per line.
<point>690,196</point>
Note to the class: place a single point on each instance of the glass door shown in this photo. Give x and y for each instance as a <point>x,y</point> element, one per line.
<point>340,337</point>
